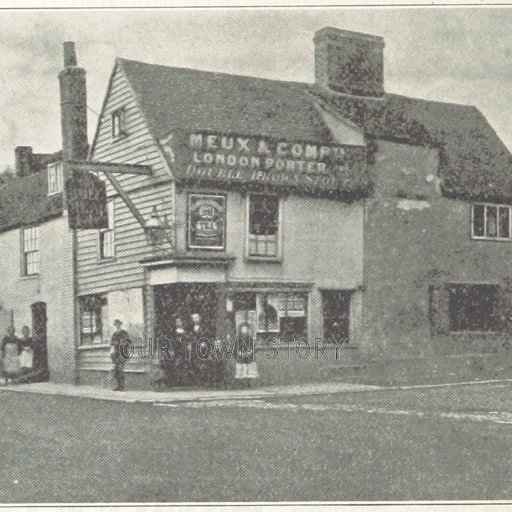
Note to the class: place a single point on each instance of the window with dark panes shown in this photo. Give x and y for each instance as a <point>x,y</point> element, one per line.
<point>263,226</point>
<point>92,313</point>
<point>504,222</point>
<point>490,222</point>
<point>118,123</point>
<point>474,307</point>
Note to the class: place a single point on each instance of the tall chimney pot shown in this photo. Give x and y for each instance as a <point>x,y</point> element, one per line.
<point>73,103</point>
<point>69,54</point>
<point>23,161</point>
<point>349,62</point>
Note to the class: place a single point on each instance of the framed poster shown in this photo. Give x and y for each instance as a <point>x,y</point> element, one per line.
<point>207,221</point>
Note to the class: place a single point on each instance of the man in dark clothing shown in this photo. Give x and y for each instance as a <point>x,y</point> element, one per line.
<point>203,351</point>
<point>179,367</point>
<point>118,353</point>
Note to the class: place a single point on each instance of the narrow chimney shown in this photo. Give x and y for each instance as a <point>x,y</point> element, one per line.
<point>349,62</point>
<point>73,101</point>
<point>23,161</point>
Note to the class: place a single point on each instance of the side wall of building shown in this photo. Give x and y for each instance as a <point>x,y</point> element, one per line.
<point>415,238</point>
<point>53,286</point>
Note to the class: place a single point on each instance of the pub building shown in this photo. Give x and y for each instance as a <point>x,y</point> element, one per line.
<point>362,223</point>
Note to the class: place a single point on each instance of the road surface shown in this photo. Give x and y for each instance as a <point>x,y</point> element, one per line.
<point>446,443</point>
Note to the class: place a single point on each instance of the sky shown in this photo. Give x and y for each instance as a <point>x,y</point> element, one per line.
<point>461,55</point>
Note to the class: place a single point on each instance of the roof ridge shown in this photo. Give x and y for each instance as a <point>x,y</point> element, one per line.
<point>215,73</point>
<point>437,102</point>
<point>325,93</point>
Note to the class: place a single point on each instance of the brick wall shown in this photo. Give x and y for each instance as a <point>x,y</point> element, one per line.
<point>413,238</point>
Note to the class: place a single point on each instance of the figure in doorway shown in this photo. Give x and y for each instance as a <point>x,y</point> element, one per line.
<point>10,351</point>
<point>117,343</point>
<point>181,369</point>
<point>26,351</point>
<point>202,347</point>
<point>246,367</point>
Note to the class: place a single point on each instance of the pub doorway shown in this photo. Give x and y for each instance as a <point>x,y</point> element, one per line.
<point>182,300</point>
<point>39,335</point>
<point>336,312</point>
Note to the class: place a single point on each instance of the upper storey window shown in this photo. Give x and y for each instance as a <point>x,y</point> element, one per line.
<point>263,226</point>
<point>490,222</point>
<point>55,178</point>
<point>30,251</point>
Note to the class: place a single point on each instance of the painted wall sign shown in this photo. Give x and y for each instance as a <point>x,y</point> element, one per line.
<point>86,197</point>
<point>210,156</point>
<point>206,221</point>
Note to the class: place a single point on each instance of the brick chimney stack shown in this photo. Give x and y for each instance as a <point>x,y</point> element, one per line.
<point>73,101</point>
<point>23,159</point>
<point>349,62</point>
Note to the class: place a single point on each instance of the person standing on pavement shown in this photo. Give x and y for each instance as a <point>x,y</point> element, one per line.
<point>10,351</point>
<point>26,350</point>
<point>117,354</point>
<point>246,367</point>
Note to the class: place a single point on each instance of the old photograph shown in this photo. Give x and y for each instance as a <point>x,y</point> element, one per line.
<point>255,255</point>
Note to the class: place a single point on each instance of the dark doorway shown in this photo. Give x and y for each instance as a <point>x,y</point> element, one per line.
<point>336,308</point>
<point>182,300</point>
<point>39,321</point>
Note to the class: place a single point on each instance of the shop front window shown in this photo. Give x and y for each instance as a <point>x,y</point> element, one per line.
<point>280,316</point>
<point>92,313</point>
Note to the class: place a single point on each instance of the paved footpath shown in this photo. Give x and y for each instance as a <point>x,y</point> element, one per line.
<point>185,395</point>
<point>198,395</point>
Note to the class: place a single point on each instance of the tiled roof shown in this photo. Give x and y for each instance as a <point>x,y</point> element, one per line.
<point>474,161</point>
<point>189,99</point>
<point>25,202</point>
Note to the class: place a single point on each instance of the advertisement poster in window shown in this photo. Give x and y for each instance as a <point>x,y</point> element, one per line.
<point>267,307</point>
<point>206,221</point>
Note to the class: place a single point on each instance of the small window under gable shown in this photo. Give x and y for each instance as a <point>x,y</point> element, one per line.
<point>118,123</point>
<point>55,178</point>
